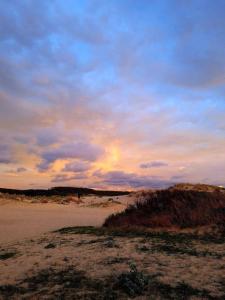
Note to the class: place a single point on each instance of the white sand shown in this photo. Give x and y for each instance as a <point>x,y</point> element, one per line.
<point>19,220</point>
<point>90,254</point>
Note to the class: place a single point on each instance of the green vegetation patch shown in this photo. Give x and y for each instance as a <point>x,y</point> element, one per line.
<point>179,249</point>
<point>70,283</point>
<point>133,283</point>
<point>116,260</point>
<point>7,255</point>
<point>181,291</point>
<point>132,232</point>
<point>81,230</point>
<point>50,246</point>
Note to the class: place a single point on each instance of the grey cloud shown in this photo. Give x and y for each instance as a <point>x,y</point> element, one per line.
<point>56,66</point>
<point>199,52</point>
<point>120,178</point>
<point>25,21</point>
<point>17,114</point>
<point>186,50</point>
<point>9,81</point>
<point>5,155</point>
<point>178,178</point>
<point>18,170</point>
<point>80,29</point>
<point>21,170</point>
<point>153,164</point>
<point>61,178</point>
<point>64,178</point>
<point>83,151</point>
<point>47,137</point>
<point>77,167</point>
<point>43,166</point>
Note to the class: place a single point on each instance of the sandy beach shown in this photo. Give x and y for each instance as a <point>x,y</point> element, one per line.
<point>21,219</point>
<point>93,262</point>
<point>82,263</point>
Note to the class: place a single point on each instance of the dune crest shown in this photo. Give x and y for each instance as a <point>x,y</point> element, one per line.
<point>175,207</point>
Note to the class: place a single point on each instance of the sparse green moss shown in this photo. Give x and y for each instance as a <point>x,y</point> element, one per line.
<point>133,283</point>
<point>132,232</point>
<point>70,283</point>
<point>7,255</point>
<point>177,249</point>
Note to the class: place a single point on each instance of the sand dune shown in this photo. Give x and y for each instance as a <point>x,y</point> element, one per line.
<point>174,208</point>
<point>19,219</point>
<point>96,262</point>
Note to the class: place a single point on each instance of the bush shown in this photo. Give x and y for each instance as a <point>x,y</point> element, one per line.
<point>172,208</point>
<point>133,282</point>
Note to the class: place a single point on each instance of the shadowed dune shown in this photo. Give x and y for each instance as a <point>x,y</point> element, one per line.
<point>62,191</point>
<point>173,208</point>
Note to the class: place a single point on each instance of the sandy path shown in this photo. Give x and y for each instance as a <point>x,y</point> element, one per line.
<point>24,220</point>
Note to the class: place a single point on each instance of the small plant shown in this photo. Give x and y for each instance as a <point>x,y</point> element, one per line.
<point>110,243</point>
<point>143,248</point>
<point>133,282</point>
<point>50,245</point>
<point>115,260</point>
<point>109,294</point>
<point>6,255</point>
<point>9,290</point>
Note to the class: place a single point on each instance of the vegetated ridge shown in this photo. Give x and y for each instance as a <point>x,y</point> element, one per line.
<point>62,191</point>
<point>174,207</point>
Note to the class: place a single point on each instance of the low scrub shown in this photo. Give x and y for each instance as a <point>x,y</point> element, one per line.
<point>173,208</point>
<point>6,255</point>
<point>133,283</point>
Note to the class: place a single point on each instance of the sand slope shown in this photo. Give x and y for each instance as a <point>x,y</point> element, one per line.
<point>19,220</point>
<point>53,266</point>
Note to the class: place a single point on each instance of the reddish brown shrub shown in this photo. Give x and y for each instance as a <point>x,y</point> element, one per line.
<point>169,208</point>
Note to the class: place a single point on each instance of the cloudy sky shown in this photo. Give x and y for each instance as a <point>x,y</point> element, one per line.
<point>112,94</point>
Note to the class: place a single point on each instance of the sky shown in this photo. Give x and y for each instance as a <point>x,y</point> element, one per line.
<point>119,94</point>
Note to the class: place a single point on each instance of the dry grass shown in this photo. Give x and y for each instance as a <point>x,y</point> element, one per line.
<point>152,250</point>
<point>94,263</point>
<point>173,208</point>
<point>197,187</point>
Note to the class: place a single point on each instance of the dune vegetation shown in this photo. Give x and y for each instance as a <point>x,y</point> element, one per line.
<point>173,208</point>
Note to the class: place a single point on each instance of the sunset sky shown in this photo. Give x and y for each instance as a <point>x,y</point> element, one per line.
<point>119,94</point>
